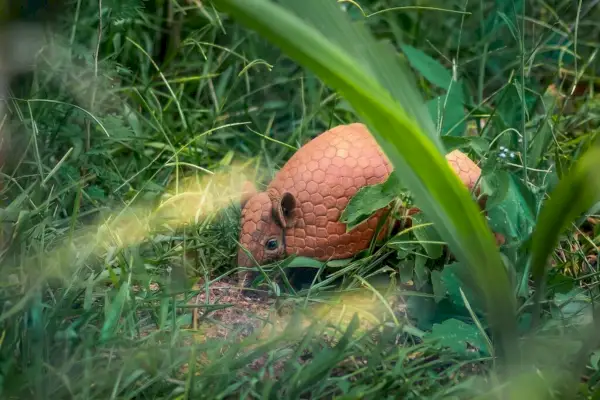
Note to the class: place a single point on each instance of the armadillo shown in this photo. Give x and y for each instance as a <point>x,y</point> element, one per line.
<point>299,211</point>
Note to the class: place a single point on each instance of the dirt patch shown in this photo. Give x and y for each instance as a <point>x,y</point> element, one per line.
<point>242,316</point>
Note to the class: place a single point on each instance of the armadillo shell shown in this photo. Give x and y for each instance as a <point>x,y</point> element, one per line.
<point>323,175</point>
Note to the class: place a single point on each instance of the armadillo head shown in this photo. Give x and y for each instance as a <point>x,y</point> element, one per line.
<point>265,216</point>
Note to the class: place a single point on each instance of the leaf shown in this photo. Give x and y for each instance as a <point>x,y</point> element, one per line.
<point>369,199</point>
<point>305,262</point>
<point>95,192</point>
<point>512,217</point>
<point>560,283</point>
<point>595,360</point>
<point>367,73</point>
<point>439,290</point>
<point>426,235</point>
<point>510,108</point>
<point>338,263</point>
<point>528,199</point>
<point>459,336</point>
<point>498,184</point>
<point>456,142</point>
<point>406,270</point>
<point>454,277</point>
<point>427,66</point>
<point>404,250</point>
<point>421,271</point>
<point>480,145</point>
<point>422,310</point>
<point>449,110</point>
<point>573,308</point>
<point>524,322</point>
<point>113,313</point>
<point>540,143</point>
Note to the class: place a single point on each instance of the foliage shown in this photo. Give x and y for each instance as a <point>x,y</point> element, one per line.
<point>124,147</point>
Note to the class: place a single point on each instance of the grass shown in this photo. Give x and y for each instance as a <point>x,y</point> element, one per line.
<point>126,146</point>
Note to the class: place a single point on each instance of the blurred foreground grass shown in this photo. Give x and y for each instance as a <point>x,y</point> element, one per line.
<point>124,151</point>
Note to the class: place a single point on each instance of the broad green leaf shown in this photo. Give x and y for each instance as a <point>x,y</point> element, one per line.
<point>427,66</point>
<point>422,310</point>
<point>527,197</point>
<point>421,271</point>
<point>496,187</point>
<point>439,290</point>
<point>403,249</point>
<point>480,145</point>
<point>305,262</point>
<point>406,270</point>
<point>459,336</point>
<point>574,308</point>
<point>367,73</point>
<point>456,142</point>
<point>510,109</point>
<point>369,199</point>
<point>513,216</point>
<point>453,277</point>
<point>427,235</point>
<point>559,283</point>
<point>449,112</point>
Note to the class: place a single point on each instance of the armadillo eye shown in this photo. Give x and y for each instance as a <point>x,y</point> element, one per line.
<point>271,244</point>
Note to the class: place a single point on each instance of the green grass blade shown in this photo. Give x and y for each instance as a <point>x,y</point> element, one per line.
<point>365,82</point>
<point>576,193</point>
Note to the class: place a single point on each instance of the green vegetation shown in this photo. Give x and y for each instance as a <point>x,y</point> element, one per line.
<point>126,147</point>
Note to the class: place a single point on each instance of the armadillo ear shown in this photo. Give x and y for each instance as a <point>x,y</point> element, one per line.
<point>284,210</point>
<point>248,190</point>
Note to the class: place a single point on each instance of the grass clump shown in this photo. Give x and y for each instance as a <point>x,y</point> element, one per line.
<point>124,152</point>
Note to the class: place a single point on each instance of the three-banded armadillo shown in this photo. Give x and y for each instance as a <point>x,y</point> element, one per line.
<point>300,210</point>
